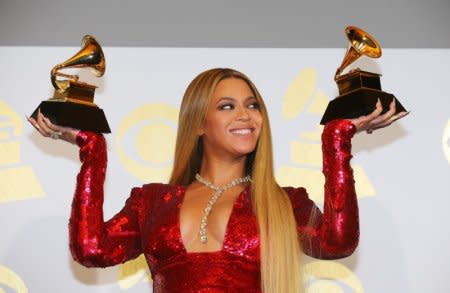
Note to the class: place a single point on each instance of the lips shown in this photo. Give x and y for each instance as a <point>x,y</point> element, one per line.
<point>242,131</point>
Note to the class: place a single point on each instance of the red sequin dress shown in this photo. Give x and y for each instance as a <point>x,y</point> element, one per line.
<point>149,223</point>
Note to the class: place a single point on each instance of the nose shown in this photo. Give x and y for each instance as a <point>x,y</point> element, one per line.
<point>242,114</point>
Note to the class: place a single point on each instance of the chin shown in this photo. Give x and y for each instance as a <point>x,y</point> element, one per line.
<point>244,151</point>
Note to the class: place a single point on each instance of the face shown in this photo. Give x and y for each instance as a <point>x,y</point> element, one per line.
<point>233,121</point>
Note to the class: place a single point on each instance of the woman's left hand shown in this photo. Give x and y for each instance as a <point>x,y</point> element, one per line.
<point>375,120</point>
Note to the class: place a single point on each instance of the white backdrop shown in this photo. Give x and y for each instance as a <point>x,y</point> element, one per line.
<point>402,172</point>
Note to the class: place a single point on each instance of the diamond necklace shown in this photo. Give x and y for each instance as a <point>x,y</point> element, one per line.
<point>218,191</point>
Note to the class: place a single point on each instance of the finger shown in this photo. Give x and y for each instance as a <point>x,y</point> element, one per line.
<point>391,120</point>
<point>402,114</point>
<point>382,119</point>
<point>31,120</point>
<point>44,128</point>
<point>393,104</point>
<point>366,118</point>
<point>399,116</point>
<point>376,112</point>
<point>56,132</point>
<point>34,123</point>
<point>54,128</point>
<point>392,109</point>
<point>365,122</point>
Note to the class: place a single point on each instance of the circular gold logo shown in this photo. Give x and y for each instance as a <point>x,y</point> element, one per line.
<point>12,280</point>
<point>132,272</point>
<point>330,277</point>
<point>145,141</point>
<point>17,180</point>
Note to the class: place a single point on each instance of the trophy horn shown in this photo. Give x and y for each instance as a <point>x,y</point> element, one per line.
<point>90,56</point>
<point>360,43</point>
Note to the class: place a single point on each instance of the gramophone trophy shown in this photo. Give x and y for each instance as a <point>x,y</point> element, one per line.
<point>358,90</point>
<point>72,104</point>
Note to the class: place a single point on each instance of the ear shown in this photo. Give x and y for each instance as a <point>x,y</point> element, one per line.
<point>200,131</point>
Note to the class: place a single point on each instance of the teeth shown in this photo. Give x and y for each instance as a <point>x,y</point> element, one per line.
<point>242,131</point>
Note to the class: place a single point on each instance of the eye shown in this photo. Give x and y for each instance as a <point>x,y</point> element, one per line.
<point>227,106</point>
<point>254,105</point>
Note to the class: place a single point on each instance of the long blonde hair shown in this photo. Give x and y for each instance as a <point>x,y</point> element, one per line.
<point>279,242</point>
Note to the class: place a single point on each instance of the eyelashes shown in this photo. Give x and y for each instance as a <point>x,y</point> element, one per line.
<point>254,105</point>
<point>225,107</point>
<point>231,106</point>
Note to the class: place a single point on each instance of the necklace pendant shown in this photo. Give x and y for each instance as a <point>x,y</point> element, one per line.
<point>218,190</point>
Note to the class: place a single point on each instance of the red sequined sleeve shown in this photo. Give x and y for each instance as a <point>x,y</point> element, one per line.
<point>335,233</point>
<point>92,241</point>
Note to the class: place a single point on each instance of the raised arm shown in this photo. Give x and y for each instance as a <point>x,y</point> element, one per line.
<point>335,233</point>
<point>93,242</point>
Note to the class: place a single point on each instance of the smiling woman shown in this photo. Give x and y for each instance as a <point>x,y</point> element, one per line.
<point>233,121</point>
<point>222,223</point>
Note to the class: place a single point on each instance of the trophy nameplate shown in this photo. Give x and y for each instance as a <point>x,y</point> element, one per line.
<point>359,90</point>
<point>72,104</point>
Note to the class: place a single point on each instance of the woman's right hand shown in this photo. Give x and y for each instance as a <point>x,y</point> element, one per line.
<point>45,127</point>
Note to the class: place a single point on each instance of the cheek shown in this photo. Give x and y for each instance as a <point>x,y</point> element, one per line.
<point>212,124</point>
<point>258,119</point>
<point>258,123</point>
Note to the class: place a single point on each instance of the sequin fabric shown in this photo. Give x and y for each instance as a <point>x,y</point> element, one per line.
<point>149,223</point>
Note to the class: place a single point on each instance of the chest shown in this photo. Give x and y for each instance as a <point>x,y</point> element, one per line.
<point>194,221</point>
<point>163,233</point>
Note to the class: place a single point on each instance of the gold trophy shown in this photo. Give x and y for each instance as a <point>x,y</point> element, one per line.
<point>72,103</point>
<point>358,90</point>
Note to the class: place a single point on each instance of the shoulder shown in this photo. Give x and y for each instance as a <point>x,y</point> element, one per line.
<point>305,210</point>
<point>156,191</point>
<point>156,188</point>
<point>297,195</point>
<point>147,191</point>
<point>148,195</point>
<point>295,192</point>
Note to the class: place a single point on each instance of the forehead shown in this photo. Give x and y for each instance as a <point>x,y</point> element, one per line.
<point>232,88</point>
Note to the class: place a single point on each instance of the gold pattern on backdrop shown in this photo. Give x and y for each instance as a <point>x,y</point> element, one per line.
<point>149,159</point>
<point>11,280</point>
<point>298,93</point>
<point>133,272</point>
<point>446,141</point>
<point>325,276</point>
<point>17,182</point>
<point>305,168</point>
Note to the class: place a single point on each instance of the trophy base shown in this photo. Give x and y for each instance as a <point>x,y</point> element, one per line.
<point>358,103</point>
<point>75,115</point>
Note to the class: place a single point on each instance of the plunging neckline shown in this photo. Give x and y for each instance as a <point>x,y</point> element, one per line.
<point>227,227</point>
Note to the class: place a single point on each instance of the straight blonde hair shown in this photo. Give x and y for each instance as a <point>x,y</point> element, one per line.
<point>280,250</point>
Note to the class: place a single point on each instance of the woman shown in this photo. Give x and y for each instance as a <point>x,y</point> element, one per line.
<point>222,224</point>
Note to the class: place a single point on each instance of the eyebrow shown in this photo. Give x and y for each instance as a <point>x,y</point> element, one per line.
<point>233,99</point>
